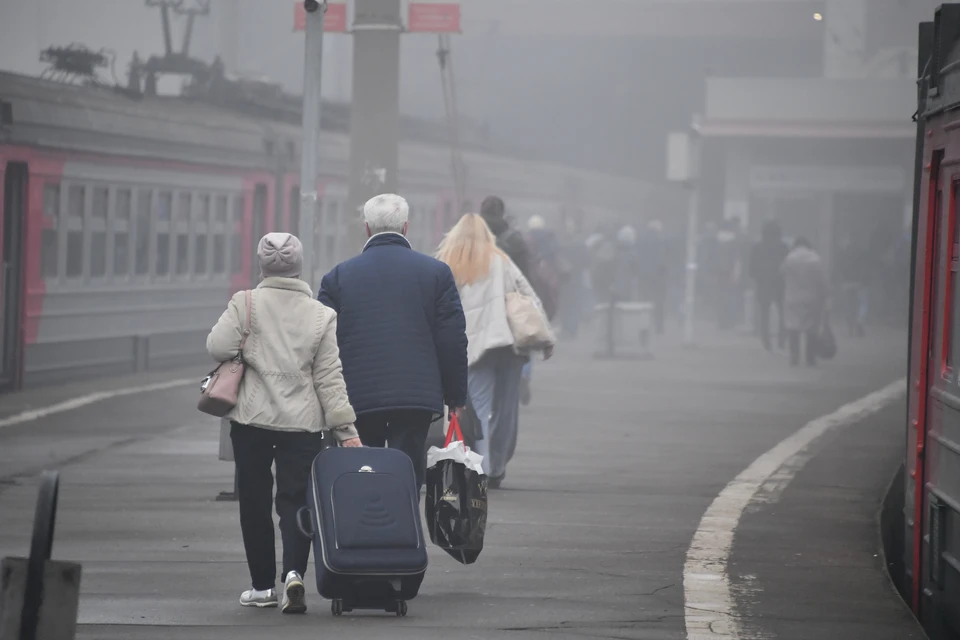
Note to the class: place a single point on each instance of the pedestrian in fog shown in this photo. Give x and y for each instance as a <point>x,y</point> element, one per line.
<point>853,272</point>
<point>654,272</point>
<point>292,390</point>
<point>401,334</point>
<point>509,239</point>
<point>546,276</point>
<point>805,299</point>
<point>727,273</point>
<point>485,275</point>
<point>573,291</point>
<point>765,262</point>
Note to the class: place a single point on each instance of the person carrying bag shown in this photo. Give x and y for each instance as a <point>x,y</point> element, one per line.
<point>505,322</point>
<point>280,386</point>
<point>456,506</point>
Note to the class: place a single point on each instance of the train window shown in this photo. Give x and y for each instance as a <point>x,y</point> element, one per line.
<point>142,249</point>
<point>182,231</point>
<point>121,232</point>
<point>49,236</point>
<point>162,217</point>
<point>220,236</point>
<point>98,232</point>
<point>201,231</point>
<point>76,196</point>
<point>294,210</point>
<point>236,243</point>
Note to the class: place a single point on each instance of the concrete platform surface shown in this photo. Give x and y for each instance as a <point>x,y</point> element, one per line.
<point>617,462</point>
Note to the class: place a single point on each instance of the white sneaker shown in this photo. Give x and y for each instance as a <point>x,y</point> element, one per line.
<point>260,599</point>
<point>294,595</point>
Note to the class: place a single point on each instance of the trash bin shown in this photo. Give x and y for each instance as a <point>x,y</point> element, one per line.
<point>623,331</point>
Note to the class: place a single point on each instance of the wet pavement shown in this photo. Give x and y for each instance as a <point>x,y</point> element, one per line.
<point>617,463</point>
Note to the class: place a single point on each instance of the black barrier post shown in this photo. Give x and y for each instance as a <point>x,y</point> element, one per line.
<point>227,496</point>
<point>44,522</point>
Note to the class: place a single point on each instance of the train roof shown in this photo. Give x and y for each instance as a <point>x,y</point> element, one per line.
<point>111,121</point>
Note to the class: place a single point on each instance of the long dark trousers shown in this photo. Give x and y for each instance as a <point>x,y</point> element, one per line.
<point>255,451</point>
<point>811,347</point>
<point>403,429</point>
<point>765,302</point>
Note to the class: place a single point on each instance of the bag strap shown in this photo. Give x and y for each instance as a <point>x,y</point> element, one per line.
<point>248,295</point>
<point>454,428</point>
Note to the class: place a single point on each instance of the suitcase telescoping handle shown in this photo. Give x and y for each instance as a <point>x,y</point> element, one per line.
<point>305,523</point>
<point>453,430</point>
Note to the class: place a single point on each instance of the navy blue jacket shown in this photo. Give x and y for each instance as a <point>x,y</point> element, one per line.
<point>401,329</point>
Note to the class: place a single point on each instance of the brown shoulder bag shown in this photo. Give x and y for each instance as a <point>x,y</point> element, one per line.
<point>220,390</point>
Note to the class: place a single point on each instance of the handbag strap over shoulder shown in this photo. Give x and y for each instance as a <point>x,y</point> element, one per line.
<point>248,295</point>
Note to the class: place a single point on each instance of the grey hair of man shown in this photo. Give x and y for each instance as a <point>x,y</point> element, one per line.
<point>386,213</point>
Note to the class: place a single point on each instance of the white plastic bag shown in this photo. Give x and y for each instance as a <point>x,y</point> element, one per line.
<point>458,452</point>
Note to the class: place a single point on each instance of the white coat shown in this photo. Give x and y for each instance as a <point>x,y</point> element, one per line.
<point>485,309</point>
<point>293,379</point>
<point>805,292</point>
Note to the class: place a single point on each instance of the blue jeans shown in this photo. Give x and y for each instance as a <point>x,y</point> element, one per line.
<point>494,385</point>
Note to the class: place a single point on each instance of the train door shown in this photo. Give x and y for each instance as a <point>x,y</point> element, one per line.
<point>11,271</point>
<point>930,365</point>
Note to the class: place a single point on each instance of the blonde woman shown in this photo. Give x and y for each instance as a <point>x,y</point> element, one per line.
<point>484,275</point>
<point>292,390</point>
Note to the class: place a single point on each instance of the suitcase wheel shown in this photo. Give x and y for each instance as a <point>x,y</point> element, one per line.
<point>401,609</point>
<point>336,607</point>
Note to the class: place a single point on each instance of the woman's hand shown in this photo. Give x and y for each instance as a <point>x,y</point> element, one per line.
<point>352,442</point>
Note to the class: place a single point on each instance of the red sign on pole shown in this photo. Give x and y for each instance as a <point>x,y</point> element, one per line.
<point>434,16</point>
<point>335,21</point>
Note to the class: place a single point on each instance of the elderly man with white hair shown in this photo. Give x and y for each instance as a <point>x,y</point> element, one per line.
<point>401,332</point>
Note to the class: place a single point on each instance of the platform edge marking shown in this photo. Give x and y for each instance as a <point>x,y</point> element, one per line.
<point>91,398</point>
<point>709,606</point>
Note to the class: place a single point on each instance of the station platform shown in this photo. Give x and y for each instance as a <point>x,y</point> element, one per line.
<point>617,463</point>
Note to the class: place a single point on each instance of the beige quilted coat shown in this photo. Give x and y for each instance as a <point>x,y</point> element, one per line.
<point>293,379</point>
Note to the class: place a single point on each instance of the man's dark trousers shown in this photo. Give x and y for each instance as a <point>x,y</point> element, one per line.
<point>403,429</point>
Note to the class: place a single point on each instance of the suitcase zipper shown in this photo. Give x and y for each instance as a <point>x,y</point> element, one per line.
<point>323,544</point>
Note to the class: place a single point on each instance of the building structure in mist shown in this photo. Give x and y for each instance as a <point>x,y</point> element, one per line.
<point>831,155</point>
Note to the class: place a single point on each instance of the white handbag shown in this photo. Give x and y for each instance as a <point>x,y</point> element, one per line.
<point>527,322</point>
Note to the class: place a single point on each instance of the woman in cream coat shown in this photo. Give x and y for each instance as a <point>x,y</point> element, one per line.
<point>484,276</point>
<point>292,390</point>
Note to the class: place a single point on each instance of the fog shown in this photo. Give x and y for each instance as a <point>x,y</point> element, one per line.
<point>598,101</point>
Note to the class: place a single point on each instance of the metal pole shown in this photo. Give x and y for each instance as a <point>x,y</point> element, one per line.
<point>691,275</point>
<point>374,110</point>
<point>310,148</point>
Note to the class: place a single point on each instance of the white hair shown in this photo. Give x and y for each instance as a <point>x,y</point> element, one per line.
<point>627,235</point>
<point>385,213</point>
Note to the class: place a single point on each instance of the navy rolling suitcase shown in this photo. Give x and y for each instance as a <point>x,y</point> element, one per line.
<point>363,514</point>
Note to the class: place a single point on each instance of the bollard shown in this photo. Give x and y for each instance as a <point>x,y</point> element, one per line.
<point>38,596</point>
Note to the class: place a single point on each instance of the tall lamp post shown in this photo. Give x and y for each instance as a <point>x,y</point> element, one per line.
<point>310,147</point>
<point>683,166</point>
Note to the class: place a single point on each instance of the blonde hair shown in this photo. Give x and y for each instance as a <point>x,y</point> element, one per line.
<point>468,249</point>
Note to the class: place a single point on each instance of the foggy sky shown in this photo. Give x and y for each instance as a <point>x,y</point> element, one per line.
<point>599,102</point>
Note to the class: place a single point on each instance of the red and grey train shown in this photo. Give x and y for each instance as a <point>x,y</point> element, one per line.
<point>932,469</point>
<point>126,222</point>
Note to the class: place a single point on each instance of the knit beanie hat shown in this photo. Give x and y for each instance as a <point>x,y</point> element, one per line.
<point>281,256</point>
